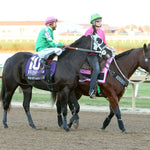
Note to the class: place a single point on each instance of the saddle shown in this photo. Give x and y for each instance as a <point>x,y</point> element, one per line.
<point>35,70</point>
<point>86,72</point>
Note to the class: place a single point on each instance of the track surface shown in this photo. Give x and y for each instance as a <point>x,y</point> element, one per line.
<point>48,136</point>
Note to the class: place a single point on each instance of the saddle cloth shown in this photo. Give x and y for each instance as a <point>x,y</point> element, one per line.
<point>86,74</point>
<point>36,71</point>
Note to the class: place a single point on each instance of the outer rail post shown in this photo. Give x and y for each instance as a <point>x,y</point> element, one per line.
<point>133,95</point>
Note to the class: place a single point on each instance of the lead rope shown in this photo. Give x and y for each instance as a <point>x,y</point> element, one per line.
<point>127,78</point>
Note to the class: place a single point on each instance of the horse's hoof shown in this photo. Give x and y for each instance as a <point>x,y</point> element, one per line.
<point>102,128</point>
<point>67,129</point>
<point>124,131</point>
<point>33,126</point>
<point>6,126</point>
<point>60,125</point>
<point>76,124</point>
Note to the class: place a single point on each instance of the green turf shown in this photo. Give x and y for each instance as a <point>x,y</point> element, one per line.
<point>142,99</point>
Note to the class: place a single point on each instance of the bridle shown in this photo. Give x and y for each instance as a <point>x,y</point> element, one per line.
<point>101,46</point>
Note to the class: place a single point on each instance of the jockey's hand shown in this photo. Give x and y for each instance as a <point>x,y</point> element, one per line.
<point>63,47</point>
<point>66,46</point>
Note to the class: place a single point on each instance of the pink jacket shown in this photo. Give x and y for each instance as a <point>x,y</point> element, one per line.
<point>100,32</point>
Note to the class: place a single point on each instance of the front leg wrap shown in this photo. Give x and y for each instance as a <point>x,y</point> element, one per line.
<point>120,122</point>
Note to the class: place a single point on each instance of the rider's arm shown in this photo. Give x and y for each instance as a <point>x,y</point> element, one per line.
<point>50,40</point>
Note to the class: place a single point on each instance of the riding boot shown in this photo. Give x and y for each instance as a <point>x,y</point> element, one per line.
<point>49,78</point>
<point>43,62</point>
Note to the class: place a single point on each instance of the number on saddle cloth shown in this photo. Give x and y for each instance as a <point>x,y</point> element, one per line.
<point>34,70</point>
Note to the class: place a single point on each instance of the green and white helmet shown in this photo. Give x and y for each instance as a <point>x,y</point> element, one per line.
<point>95,17</point>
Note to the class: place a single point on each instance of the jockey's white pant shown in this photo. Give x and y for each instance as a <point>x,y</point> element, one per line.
<point>49,51</point>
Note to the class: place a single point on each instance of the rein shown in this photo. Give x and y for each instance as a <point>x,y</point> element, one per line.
<point>129,79</point>
<point>83,50</point>
<point>102,46</point>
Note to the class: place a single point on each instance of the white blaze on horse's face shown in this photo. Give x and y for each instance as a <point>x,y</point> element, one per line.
<point>146,54</point>
<point>96,44</point>
<point>146,59</point>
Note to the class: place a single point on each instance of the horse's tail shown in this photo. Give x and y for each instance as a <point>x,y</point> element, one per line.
<point>2,94</point>
<point>53,97</point>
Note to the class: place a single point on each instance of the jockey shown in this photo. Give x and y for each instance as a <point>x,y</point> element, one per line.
<point>93,58</point>
<point>45,44</point>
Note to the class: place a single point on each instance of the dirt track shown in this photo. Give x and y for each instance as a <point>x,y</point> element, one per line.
<point>48,136</point>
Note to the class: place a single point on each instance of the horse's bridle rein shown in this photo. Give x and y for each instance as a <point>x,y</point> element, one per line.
<point>101,52</point>
<point>146,77</point>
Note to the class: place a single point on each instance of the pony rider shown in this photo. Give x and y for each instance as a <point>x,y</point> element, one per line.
<point>93,58</point>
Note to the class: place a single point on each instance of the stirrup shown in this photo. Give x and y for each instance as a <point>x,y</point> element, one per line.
<point>92,95</point>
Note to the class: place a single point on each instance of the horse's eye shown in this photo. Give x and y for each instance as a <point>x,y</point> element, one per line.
<point>99,40</point>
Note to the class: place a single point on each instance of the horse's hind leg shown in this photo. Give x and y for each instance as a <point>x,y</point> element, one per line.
<point>59,116</point>
<point>108,119</point>
<point>27,92</point>
<point>74,120</point>
<point>75,108</point>
<point>63,95</point>
<point>6,103</point>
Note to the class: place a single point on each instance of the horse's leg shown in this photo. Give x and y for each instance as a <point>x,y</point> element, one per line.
<point>115,107</point>
<point>63,95</point>
<point>75,108</point>
<point>7,90</point>
<point>59,116</point>
<point>27,92</point>
<point>108,119</point>
<point>75,117</point>
<point>120,122</point>
<point>6,103</point>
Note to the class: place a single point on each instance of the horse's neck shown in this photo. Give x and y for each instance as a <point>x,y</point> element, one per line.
<point>128,64</point>
<point>79,59</point>
<point>75,60</point>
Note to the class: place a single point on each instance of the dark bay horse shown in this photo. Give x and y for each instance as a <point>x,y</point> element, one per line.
<point>124,65</point>
<point>65,78</point>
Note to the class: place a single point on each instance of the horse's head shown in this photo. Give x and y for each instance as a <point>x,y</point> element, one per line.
<point>99,45</point>
<point>146,61</point>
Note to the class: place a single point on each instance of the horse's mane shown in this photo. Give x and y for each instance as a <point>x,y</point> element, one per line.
<point>74,44</point>
<point>123,53</point>
<point>78,41</point>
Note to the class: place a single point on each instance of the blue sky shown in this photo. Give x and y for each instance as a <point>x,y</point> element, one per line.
<point>114,12</point>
